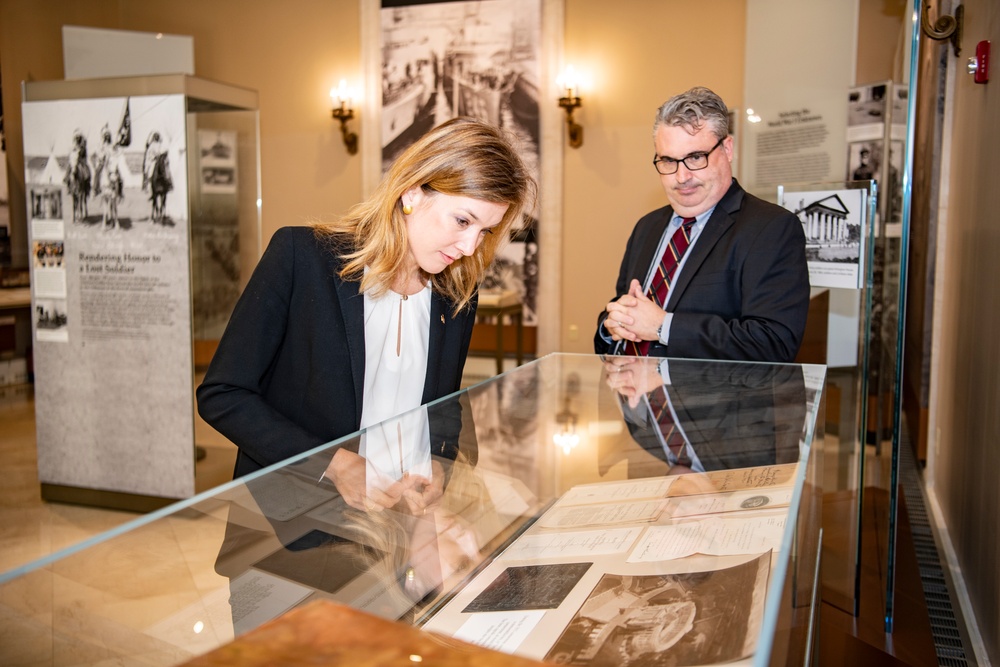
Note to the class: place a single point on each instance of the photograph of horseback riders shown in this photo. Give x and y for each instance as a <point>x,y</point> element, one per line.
<point>117,164</point>
<point>479,58</point>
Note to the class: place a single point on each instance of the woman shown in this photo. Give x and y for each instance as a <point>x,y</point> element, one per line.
<point>350,322</point>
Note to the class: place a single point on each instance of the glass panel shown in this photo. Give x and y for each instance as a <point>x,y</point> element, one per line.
<point>550,494</point>
<point>896,293</point>
<point>225,225</point>
<point>838,221</point>
<point>775,83</point>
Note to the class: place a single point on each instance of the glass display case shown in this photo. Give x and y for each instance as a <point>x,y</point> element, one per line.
<point>576,509</point>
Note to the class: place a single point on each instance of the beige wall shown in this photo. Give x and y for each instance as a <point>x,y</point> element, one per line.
<point>880,40</point>
<point>639,54</point>
<point>964,456</point>
<point>291,53</point>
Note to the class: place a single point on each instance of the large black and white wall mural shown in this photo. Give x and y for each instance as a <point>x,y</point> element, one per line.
<point>440,60</point>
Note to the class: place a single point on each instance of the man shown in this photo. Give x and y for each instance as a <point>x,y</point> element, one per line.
<point>741,288</point>
<point>864,171</point>
<point>699,416</point>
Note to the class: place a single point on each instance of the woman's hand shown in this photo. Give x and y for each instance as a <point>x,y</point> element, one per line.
<point>347,471</point>
<point>422,495</point>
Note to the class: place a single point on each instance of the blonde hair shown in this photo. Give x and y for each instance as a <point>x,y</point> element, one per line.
<point>463,157</point>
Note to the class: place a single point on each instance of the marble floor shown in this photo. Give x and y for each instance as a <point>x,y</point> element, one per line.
<point>30,527</point>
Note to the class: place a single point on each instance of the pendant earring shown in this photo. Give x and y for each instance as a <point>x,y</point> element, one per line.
<point>407,209</point>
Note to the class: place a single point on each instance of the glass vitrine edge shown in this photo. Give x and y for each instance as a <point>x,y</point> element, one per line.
<point>778,577</point>
<point>208,494</point>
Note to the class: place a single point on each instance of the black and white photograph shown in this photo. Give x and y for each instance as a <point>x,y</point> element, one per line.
<point>697,618</point>
<point>51,320</point>
<point>475,58</point>
<point>835,229</point>
<point>215,234</point>
<point>217,158</point>
<point>529,587</point>
<point>119,162</point>
<point>863,160</point>
<point>866,105</point>
<point>46,201</point>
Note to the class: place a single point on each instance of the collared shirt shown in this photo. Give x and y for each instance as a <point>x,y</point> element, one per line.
<point>675,222</point>
<point>397,339</point>
<point>688,450</point>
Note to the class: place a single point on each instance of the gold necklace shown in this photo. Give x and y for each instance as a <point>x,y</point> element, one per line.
<point>399,325</point>
<point>403,474</point>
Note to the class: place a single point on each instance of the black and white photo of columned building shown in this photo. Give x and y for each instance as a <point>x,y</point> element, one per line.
<point>835,227</point>
<point>825,223</point>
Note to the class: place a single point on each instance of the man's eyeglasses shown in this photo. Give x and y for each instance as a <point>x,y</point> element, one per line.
<point>693,162</point>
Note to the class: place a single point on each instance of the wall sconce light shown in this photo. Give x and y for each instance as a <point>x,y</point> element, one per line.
<point>570,102</point>
<point>566,438</point>
<point>343,111</point>
<point>946,27</point>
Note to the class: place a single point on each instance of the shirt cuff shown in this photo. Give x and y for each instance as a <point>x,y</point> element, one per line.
<point>665,328</point>
<point>605,335</point>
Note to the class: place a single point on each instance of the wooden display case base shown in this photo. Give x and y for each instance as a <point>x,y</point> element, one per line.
<point>327,633</point>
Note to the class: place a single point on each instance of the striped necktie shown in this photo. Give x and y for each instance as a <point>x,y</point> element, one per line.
<point>659,404</point>
<point>659,287</point>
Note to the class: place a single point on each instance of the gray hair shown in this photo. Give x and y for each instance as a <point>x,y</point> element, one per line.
<point>692,109</point>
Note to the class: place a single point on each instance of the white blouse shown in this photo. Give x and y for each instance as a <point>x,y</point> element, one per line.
<point>397,333</point>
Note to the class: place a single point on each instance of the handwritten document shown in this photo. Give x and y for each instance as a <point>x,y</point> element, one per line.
<point>739,479</point>
<point>597,515</point>
<point>717,503</point>
<point>714,536</point>
<point>642,489</point>
<point>578,544</point>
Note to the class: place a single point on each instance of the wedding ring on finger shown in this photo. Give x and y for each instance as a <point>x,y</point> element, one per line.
<point>369,504</point>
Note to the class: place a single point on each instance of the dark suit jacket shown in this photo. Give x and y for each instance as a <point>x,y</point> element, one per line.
<point>288,375</point>
<point>734,415</point>
<point>743,293</point>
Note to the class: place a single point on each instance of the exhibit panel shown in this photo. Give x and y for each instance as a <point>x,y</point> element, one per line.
<point>575,509</point>
<point>143,216</point>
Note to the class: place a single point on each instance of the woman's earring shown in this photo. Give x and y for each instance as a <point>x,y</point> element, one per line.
<point>407,209</point>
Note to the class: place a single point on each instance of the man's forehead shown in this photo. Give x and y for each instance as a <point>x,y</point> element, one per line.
<point>684,136</point>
